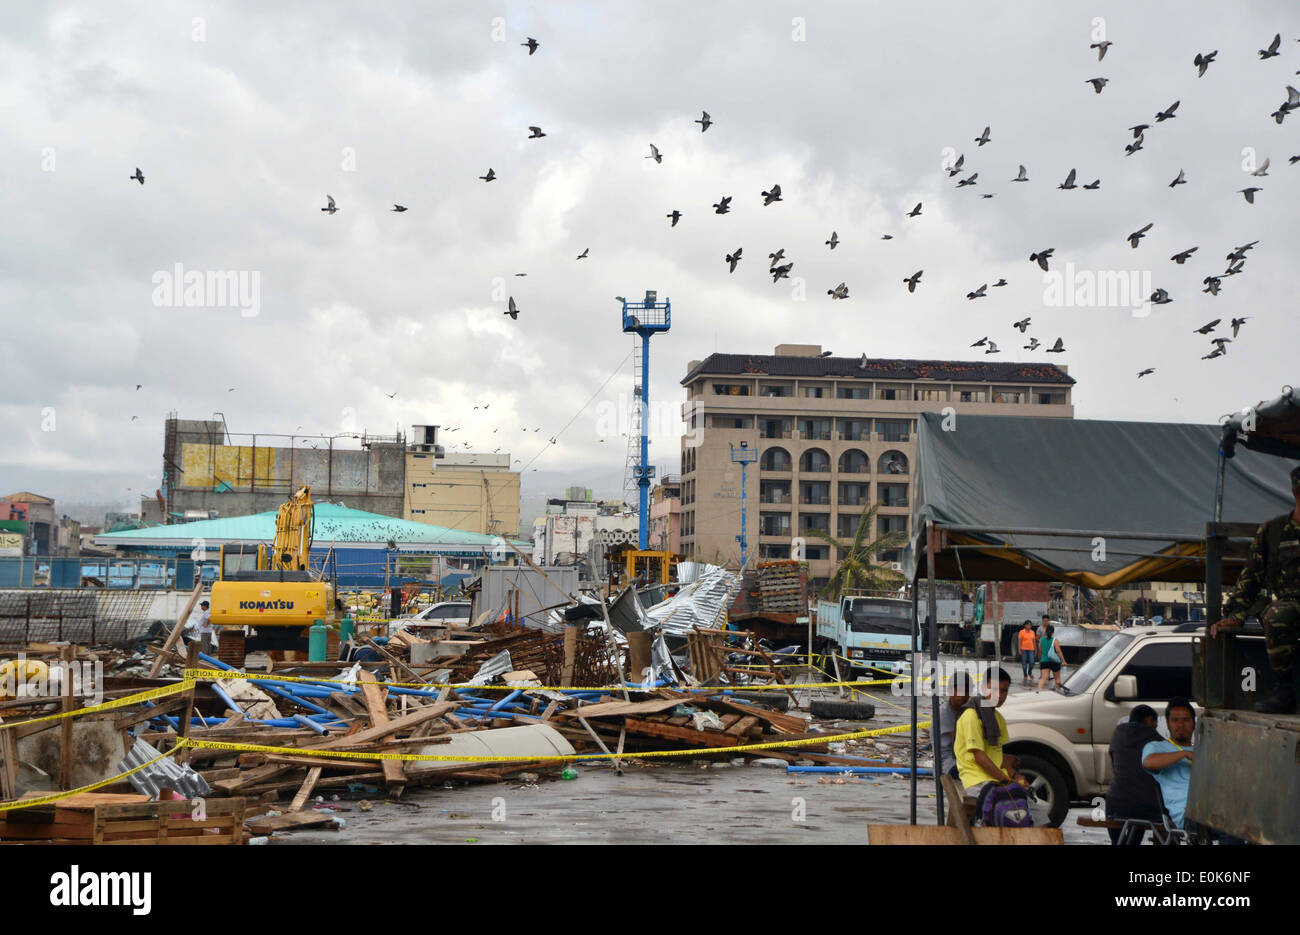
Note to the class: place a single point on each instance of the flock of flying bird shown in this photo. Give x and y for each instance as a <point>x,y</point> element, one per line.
<point>780,267</point>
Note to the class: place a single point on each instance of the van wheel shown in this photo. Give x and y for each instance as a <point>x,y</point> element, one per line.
<point>1048,786</point>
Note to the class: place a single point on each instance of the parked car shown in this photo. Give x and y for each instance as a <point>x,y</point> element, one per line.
<point>1063,738</point>
<point>444,613</point>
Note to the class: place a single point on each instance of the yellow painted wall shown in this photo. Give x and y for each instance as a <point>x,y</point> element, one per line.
<point>236,465</point>
<point>462,498</point>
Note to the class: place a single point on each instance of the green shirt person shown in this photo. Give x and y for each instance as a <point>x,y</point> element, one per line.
<point>1269,587</point>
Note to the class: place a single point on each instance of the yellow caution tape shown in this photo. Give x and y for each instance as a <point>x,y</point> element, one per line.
<point>138,698</point>
<point>213,674</point>
<point>466,758</point>
<point>56,796</point>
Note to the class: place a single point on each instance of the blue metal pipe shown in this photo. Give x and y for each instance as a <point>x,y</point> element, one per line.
<point>859,770</point>
<point>308,722</point>
<point>507,699</point>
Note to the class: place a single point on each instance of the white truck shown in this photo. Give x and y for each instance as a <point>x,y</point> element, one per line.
<point>869,633</point>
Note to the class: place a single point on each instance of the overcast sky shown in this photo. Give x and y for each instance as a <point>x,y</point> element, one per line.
<point>243,116</point>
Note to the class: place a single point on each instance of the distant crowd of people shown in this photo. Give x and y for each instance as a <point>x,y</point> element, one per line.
<point>1041,649</point>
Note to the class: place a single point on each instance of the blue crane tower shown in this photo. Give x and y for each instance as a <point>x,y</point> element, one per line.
<point>644,318</point>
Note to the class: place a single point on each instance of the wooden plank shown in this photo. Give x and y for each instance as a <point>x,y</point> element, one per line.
<point>703,738</point>
<point>308,784</point>
<point>742,725</point>
<point>174,635</point>
<point>67,656</point>
<point>289,822</point>
<point>955,799</point>
<point>394,774</point>
<point>942,834</point>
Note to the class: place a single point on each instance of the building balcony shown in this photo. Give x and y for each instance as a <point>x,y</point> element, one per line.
<point>894,502</point>
<point>820,501</point>
<point>775,498</point>
<point>786,433</point>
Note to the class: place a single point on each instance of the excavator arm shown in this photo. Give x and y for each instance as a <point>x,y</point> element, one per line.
<point>291,550</point>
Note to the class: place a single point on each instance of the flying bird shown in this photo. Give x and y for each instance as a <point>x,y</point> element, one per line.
<point>138,177</point>
<point>776,257</point>
<point>981,342</point>
<point>781,272</point>
<point>1160,297</point>
<point>1202,61</point>
<point>583,254</point>
<point>913,280</point>
<point>983,137</point>
<point>138,385</point>
<point>535,133</point>
<point>1249,193</point>
<point>1146,372</point>
<point>1237,323</point>
<point>886,236</point>
<point>992,349</point>
<point>674,217</point>
<point>399,208</point>
<point>532,45</point>
<point>1041,257</point>
<point>332,207</point>
<point>1101,48</point>
<point>1000,282</point>
<point>733,259</point>
<point>1097,83</point>
<point>955,168</point>
<point>489,177</point>
<point>771,196</point>
<point>1057,348</point>
<point>133,418</point>
<point>1207,328</point>
<point>1167,113</point>
<point>978,293</point>
<point>1217,352</point>
<point>723,206</point>
<point>705,121</point>
<point>655,154</point>
<point>1131,148</point>
<point>1262,170</point>
<point>1032,345</point>
<point>839,292</point>
<point>1239,253</point>
<point>391,395</point>
<point>1212,285</point>
<point>1069,182</point>
<point>1179,179</point>
<point>1271,51</point>
<point>1022,177</point>
<point>1181,258</point>
<point>834,241</point>
<point>1137,130</point>
<point>1021,325</point>
<point>828,353</point>
<point>1093,185</point>
<point>961,183</point>
<point>513,311</point>
<point>1220,342</point>
<point>915,212</point>
<point>1138,234</point>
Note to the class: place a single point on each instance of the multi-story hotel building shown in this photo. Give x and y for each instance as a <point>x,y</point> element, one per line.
<point>833,435</point>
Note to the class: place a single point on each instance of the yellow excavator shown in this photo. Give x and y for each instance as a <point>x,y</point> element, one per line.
<point>275,586</point>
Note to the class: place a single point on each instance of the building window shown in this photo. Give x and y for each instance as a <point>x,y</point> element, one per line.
<point>816,492</point>
<point>855,429</point>
<point>854,461</point>
<point>731,389</point>
<point>781,390</point>
<point>853,494</point>
<point>1009,394</point>
<point>816,392</point>
<point>892,494</point>
<point>814,522</point>
<point>775,459</point>
<point>818,429</point>
<point>774,524</point>
<point>853,392</point>
<point>774,428</point>
<point>815,461</point>
<point>847,525</point>
<point>816,553</point>
<point>1051,399</point>
<point>973,396</point>
<point>730,422</point>
<point>774,491</point>
<point>892,462</point>
<point>931,395</point>
<point>893,430</point>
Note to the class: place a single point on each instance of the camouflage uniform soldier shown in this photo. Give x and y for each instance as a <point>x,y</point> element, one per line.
<point>1269,588</point>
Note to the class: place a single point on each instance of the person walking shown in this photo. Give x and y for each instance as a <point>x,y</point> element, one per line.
<point>1050,658</point>
<point>1028,651</point>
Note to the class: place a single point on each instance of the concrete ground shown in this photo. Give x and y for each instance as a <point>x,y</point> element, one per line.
<point>677,801</point>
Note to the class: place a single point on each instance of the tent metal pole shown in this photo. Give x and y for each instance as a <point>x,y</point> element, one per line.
<point>1076,533</point>
<point>932,629</point>
<point>1218,487</point>
<point>916,653</point>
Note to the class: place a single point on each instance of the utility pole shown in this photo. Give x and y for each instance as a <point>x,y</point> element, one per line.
<point>744,456</point>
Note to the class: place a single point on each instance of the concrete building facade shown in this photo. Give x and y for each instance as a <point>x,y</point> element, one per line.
<point>210,472</point>
<point>473,492</point>
<point>665,528</point>
<point>833,435</point>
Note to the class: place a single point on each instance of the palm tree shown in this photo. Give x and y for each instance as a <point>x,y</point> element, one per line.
<point>857,570</point>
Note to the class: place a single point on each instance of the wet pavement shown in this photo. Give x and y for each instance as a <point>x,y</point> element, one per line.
<point>679,801</point>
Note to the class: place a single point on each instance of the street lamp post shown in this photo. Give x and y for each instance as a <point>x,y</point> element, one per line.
<point>744,456</point>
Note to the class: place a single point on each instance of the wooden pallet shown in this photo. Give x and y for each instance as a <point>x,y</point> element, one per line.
<point>101,818</point>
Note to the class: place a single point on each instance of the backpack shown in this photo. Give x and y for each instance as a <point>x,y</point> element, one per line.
<point>1003,805</point>
<point>1272,561</point>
